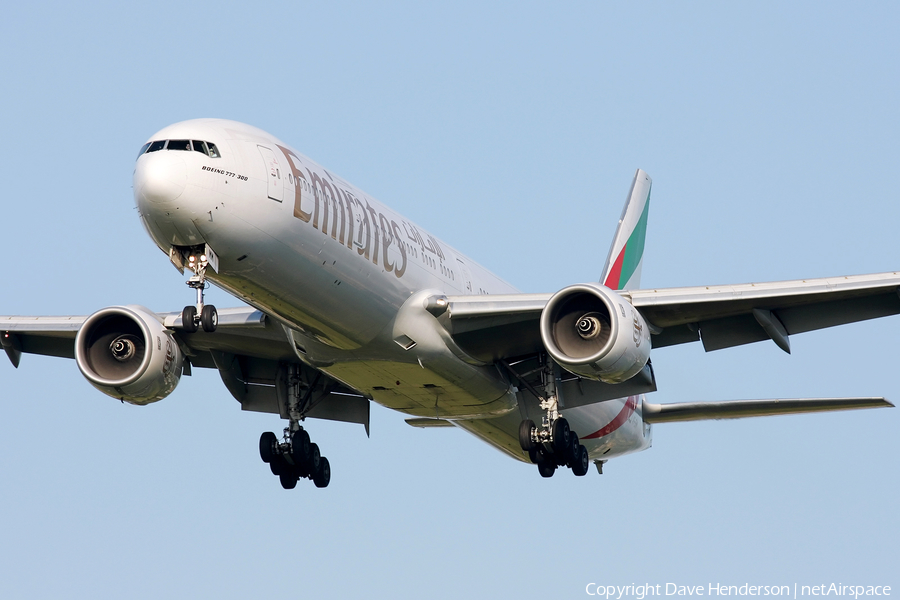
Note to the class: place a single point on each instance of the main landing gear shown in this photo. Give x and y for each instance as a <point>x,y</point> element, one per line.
<point>294,458</point>
<point>554,444</point>
<point>194,317</point>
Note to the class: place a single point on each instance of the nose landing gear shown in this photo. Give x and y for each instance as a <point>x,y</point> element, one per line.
<point>194,317</point>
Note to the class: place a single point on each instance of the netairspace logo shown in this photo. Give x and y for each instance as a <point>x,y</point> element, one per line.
<point>640,592</point>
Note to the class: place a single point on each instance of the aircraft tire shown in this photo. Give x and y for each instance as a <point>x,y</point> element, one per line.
<point>288,480</point>
<point>580,468</point>
<point>188,315</point>
<point>209,318</point>
<point>561,434</point>
<point>323,475</point>
<point>301,452</point>
<point>314,460</point>
<point>546,468</point>
<point>278,466</point>
<point>534,455</point>
<point>572,451</point>
<point>300,447</point>
<point>525,429</point>
<point>267,443</point>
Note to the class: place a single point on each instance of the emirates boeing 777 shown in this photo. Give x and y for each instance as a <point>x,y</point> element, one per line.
<point>348,302</point>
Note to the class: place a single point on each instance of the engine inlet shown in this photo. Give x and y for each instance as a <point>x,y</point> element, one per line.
<point>590,326</point>
<point>124,347</point>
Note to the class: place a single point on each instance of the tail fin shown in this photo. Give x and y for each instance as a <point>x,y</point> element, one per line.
<point>623,265</point>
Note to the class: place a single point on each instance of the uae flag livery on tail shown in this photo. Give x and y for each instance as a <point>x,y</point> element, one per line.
<point>623,265</point>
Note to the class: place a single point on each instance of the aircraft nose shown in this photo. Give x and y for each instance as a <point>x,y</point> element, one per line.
<point>159,180</point>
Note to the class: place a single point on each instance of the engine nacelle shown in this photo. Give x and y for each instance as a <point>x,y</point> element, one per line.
<point>593,332</point>
<point>127,353</point>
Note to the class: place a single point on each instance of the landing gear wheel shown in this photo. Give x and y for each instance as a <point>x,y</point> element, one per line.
<point>561,434</point>
<point>580,467</point>
<point>323,473</point>
<point>525,429</point>
<point>300,451</point>
<point>300,446</point>
<point>189,319</point>
<point>572,450</point>
<point>315,459</point>
<point>288,480</point>
<point>534,455</point>
<point>267,445</point>
<point>546,468</point>
<point>296,458</point>
<point>209,318</point>
<point>279,466</point>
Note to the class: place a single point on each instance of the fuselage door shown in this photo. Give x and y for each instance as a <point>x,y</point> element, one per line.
<point>464,271</point>
<point>274,174</point>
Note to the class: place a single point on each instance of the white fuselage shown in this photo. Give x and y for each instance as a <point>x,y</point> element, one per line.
<point>346,277</point>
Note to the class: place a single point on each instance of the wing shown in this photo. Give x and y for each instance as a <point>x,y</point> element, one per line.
<point>248,349</point>
<point>504,326</point>
<point>726,316</point>
<point>736,409</point>
<point>241,329</point>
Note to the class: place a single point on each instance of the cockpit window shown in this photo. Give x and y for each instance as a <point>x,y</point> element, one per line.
<point>207,148</point>
<point>179,145</point>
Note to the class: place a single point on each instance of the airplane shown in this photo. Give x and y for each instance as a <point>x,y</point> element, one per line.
<point>349,303</point>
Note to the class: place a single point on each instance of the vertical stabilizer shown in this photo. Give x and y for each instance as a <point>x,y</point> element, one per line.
<point>626,255</point>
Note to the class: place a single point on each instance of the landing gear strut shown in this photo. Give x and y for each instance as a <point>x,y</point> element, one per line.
<point>553,444</point>
<point>193,317</point>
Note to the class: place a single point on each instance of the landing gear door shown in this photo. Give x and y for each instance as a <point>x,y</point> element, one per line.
<point>274,174</point>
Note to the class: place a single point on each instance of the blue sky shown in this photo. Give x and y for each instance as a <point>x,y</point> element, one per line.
<point>511,131</point>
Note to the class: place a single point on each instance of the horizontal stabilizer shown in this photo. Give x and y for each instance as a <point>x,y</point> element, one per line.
<point>737,409</point>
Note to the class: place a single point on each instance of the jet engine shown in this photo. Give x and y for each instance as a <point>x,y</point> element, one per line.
<point>593,332</point>
<point>127,353</point>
